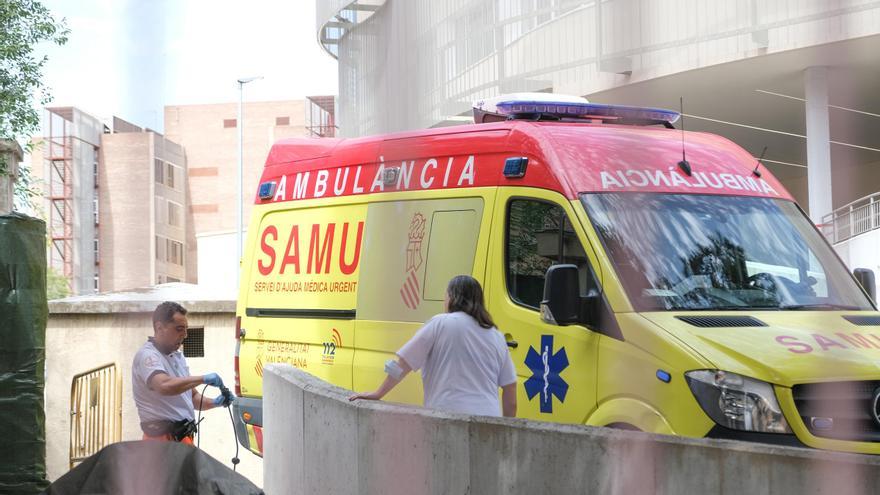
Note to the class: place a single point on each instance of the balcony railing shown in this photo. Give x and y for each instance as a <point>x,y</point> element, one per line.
<point>858,217</point>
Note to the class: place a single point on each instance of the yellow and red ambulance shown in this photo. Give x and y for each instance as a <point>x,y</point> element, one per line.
<point>644,277</point>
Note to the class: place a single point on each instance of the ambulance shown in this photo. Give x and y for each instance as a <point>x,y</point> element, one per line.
<point>644,277</point>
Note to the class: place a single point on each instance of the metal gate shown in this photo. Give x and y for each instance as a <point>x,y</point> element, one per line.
<point>95,411</point>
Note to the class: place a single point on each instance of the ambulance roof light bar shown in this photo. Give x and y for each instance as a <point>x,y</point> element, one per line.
<point>546,106</point>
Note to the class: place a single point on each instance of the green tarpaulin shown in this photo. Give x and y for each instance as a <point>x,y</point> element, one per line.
<point>23,315</point>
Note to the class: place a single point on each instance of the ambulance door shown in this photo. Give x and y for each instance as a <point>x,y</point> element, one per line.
<point>556,365</point>
<point>413,246</point>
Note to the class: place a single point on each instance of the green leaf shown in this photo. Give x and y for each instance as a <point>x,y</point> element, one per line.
<point>23,25</point>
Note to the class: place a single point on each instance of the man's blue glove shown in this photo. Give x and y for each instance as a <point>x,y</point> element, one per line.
<point>224,400</point>
<point>213,379</point>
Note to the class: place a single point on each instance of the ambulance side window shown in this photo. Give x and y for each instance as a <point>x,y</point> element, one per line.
<point>539,235</point>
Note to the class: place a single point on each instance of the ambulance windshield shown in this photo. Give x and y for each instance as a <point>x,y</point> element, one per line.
<point>702,252</point>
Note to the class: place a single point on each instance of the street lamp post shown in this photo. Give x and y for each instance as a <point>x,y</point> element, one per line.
<point>238,240</point>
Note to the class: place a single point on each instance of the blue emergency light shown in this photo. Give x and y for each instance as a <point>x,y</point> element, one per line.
<point>267,190</point>
<point>515,168</point>
<point>564,107</point>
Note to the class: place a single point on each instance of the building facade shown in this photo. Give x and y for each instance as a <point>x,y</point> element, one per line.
<point>143,220</point>
<point>209,134</point>
<point>65,162</point>
<point>796,78</point>
<point>115,201</point>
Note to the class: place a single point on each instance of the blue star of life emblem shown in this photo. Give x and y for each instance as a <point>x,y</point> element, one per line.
<point>546,367</point>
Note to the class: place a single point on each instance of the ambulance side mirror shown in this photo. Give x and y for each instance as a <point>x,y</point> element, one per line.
<point>865,278</point>
<point>562,300</point>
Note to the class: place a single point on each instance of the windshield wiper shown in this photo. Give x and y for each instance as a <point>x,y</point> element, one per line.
<point>725,308</point>
<point>797,307</point>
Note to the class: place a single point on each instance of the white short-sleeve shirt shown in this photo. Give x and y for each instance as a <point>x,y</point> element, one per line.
<point>151,405</point>
<point>462,363</point>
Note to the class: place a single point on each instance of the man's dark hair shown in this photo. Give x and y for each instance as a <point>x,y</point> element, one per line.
<point>465,294</point>
<point>164,313</point>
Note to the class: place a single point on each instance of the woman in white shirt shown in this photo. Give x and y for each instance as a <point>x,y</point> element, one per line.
<point>463,358</point>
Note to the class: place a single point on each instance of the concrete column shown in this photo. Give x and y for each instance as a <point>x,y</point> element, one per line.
<point>10,157</point>
<point>818,142</point>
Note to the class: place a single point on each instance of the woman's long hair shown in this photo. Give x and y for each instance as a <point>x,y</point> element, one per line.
<point>466,295</point>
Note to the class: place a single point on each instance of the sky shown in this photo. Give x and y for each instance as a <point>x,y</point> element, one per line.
<point>130,58</point>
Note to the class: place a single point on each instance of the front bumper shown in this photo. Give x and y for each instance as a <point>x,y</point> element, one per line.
<point>786,401</point>
<point>721,432</point>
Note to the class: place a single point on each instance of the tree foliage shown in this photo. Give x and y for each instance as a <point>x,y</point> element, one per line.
<point>24,24</point>
<point>57,285</point>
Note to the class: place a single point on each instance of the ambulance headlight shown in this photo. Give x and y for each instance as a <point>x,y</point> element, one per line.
<point>738,402</point>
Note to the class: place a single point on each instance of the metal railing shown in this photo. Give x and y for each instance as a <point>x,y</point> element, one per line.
<point>858,217</point>
<point>321,116</point>
<point>95,411</point>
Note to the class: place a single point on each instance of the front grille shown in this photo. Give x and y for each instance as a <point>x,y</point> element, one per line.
<point>849,406</point>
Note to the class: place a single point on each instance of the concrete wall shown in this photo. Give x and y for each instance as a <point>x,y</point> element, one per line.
<point>317,442</point>
<point>853,181</point>
<point>78,342</point>
<point>861,251</point>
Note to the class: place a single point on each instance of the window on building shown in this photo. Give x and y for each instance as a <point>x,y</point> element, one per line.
<point>174,214</point>
<point>227,123</point>
<point>97,256</point>
<point>282,120</point>
<point>95,208</point>
<point>175,252</point>
<point>179,252</point>
<point>169,175</point>
<point>97,284</point>
<point>540,235</point>
<point>161,248</point>
<point>194,344</point>
<point>159,171</point>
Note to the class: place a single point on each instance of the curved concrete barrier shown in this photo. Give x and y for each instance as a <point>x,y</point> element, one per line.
<point>318,442</point>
